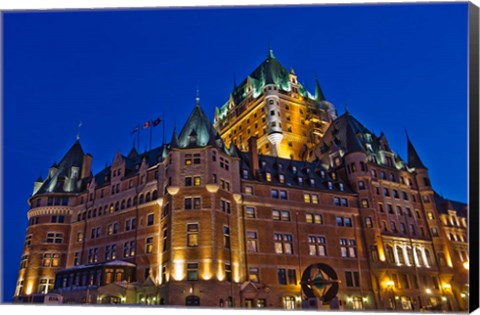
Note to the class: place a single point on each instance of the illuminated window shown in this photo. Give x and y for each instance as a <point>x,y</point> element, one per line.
<point>129,249</point>
<point>250,212</point>
<point>307,198</point>
<point>348,248</point>
<point>317,245</point>
<point>76,259</point>
<point>188,159</point>
<point>283,244</point>
<point>45,285</point>
<point>197,181</point>
<point>364,203</point>
<point>149,245</point>
<point>368,222</point>
<point>281,178</point>
<point>93,255</point>
<point>430,215</point>
<point>252,241</point>
<point>268,176</point>
<point>192,235</point>
<point>248,190</point>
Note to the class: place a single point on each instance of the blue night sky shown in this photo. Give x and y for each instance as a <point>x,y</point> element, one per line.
<point>396,67</point>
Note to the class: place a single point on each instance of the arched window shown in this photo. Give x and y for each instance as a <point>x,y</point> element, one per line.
<point>141,199</point>
<point>154,195</point>
<point>122,205</point>
<point>147,197</point>
<point>117,206</point>
<point>129,203</point>
<point>135,200</point>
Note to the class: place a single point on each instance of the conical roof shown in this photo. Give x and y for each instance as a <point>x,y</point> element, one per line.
<point>413,158</point>
<point>197,131</point>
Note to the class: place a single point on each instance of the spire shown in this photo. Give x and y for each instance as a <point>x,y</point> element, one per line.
<point>413,158</point>
<point>78,134</point>
<point>197,98</point>
<point>319,96</point>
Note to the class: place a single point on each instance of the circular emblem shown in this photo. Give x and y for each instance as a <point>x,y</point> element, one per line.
<point>321,281</point>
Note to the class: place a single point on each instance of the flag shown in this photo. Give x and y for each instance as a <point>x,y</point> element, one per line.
<point>136,129</point>
<point>147,124</point>
<point>156,122</point>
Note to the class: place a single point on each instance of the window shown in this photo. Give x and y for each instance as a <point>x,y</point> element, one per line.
<point>283,194</point>
<point>292,276</point>
<point>430,215</point>
<point>57,219</point>
<point>110,252</point>
<point>252,241</point>
<point>386,192</point>
<point>368,222</point>
<point>344,202</point>
<point>281,215</point>
<point>225,206</point>
<point>76,259</point>
<point>248,190</point>
<point>250,212</point>
<point>254,274</point>
<point>130,224</point>
<point>434,231</point>
<point>317,245</point>
<point>389,208</point>
<point>192,235</point>
<point>112,228</point>
<point>281,178</point>
<point>150,219</point>
<point>281,276</point>
<point>45,285</point>
<point>93,255</point>
<point>192,271</point>
<point>149,245</point>
<point>129,249</point>
<point>80,237</point>
<point>188,181</point>
<point>336,201</point>
<point>352,278</point>
<point>56,238</point>
<point>196,158</point>
<point>364,203</point>
<point>165,239</point>
<point>228,272</point>
<point>283,244</point>
<point>197,181</point>
<point>95,233</point>
<point>401,257</point>
<point>188,203</point>
<point>348,248</point>
<point>393,226</point>
<point>361,185</point>
<point>390,254</point>
<point>313,218</point>
<point>24,262</point>
<point>188,159</point>
<point>226,237</point>
<point>268,176</point>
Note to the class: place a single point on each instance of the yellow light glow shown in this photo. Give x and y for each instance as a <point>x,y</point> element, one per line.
<point>349,300</point>
<point>29,288</point>
<point>381,253</point>
<point>365,299</point>
<point>466,265</point>
<point>236,273</point>
<point>220,271</point>
<point>447,286</point>
<point>207,270</point>
<point>389,283</point>
<point>178,270</point>
<point>428,291</point>
<point>444,298</point>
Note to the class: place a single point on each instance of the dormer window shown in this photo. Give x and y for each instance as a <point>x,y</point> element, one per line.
<point>341,187</point>
<point>281,178</point>
<point>334,175</point>
<point>268,176</point>
<point>312,182</point>
<point>294,169</point>
<point>322,174</point>
<point>330,185</point>
<point>300,180</point>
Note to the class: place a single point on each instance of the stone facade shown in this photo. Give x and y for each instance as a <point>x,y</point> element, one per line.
<point>216,218</point>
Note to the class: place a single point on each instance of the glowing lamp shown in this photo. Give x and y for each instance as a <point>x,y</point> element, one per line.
<point>447,286</point>
<point>466,265</point>
<point>428,291</point>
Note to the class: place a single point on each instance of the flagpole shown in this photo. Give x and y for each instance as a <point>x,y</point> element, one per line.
<point>138,139</point>
<point>163,128</point>
<point>151,127</point>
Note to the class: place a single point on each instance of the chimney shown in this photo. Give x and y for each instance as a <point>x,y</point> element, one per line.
<point>252,149</point>
<point>86,166</point>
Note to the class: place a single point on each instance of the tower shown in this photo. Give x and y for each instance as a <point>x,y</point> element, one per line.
<point>273,106</point>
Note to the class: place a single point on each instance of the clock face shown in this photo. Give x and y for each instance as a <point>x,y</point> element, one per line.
<point>321,281</point>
